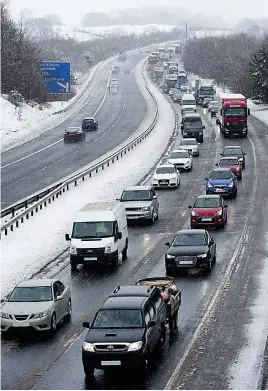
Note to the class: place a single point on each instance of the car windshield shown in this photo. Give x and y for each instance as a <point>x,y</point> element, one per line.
<point>188,142</point>
<point>207,203</point>
<point>232,151</point>
<point>31,294</point>
<point>235,112</point>
<point>96,229</point>
<point>165,170</point>
<point>189,102</point>
<point>193,124</point>
<point>220,175</point>
<point>118,319</point>
<point>189,240</point>
<point>179,155</point>
<point>229,162</point>
<point>214,104</point>
<point>136,195</point>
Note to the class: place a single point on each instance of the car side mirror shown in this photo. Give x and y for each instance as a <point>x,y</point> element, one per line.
<point>2,301</point>
<point>119,235</point>
<point>118,199</point>
<point>59,298</point>
<point>167,244</point>
<point>217,164</point>
<point>244,153</point>
<point>154,197</point>
<point>86,325</point>
<point>203,127</point>
<point>225,206</point>
<point>220,154</point>
<point>206,179</point>
<point>212,240</point>
<point>67,237</point>
<point>190,207</point>
<point>151,323</point>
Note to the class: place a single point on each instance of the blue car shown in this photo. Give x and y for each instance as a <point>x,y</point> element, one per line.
<point>222,181</point>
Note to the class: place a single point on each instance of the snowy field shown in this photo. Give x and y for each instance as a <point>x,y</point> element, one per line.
<point>89,33</point>
<point>39,241</point>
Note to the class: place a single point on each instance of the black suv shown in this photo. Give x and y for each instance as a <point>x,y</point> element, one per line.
<point>192,127</point>
<point>125,330</point>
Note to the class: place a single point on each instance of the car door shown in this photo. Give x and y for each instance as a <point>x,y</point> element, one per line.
<point>58,289</point>
<point>150,330</point>
<point>191,158</point>
<point>211,245</point>
<point>156,328</point>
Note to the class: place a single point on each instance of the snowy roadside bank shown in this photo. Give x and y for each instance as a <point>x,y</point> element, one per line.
<point>41,239</point>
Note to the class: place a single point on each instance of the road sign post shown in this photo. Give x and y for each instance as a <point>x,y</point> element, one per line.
<point>57,76</point>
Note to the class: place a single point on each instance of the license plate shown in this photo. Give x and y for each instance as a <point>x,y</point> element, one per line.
<point>111,363</point>
<point>21,324</point>
<point>186,262</point>
<point>219,190</point>
<point>90,258</point>
<point>207,219</point>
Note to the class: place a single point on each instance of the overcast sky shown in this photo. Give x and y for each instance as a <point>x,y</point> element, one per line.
<point>72,10</point>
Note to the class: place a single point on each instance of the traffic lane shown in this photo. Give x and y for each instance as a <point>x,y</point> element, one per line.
<point>143,251</point>
<point>119,118</point>
<point>88,109</point>
<point>21,359</point>
<point>197,291</point>
<point>216,354</point>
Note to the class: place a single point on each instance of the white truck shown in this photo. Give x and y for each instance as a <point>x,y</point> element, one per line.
<point>99,235</point>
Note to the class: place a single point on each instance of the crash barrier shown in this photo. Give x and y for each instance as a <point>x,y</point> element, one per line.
<point>45,197</point>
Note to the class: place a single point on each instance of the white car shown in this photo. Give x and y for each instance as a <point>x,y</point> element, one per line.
<point>114,82</point>
<point>191,145</point>
<point>166,175</point>
<point>181,159</point>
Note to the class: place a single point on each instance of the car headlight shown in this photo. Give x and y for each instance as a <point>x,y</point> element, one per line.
<point>202,256</point>
<point>73,249</point>
<point>108,248</point>
<point>200,133</point>
<point>209,185</point>
<point>40,315</point>
<point>88,347</point>
<point>146,208</point>
<point>187,162</point>
<point>219,213</point>
<point>135,346</point>
<point>194,213</point>
<point>231,185</point>
<point>170,256</point>
<point>4,315</point>
<point>173,179</point>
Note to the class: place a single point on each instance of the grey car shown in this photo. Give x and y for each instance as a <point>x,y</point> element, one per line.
<point>39,304</point>
<point>140,203</point>
<point>191,145</point>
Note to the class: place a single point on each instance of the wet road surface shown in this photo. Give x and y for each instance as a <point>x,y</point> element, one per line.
<point>43,362</point>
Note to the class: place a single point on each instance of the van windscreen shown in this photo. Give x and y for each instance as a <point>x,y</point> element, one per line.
<point>189,102</point>
<point>93,229</point>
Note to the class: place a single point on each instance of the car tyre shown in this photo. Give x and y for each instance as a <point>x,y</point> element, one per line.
<point>115,261</point>
<point>53,323</point>
<point>69,311</point>
<point>152,219</point>
<point>215,257</point>
<point>89,372</point>
<point>160,347</point>
<point>209,266</point>
<point>234,195</point>
<point>73,267</point>
<point>170,271</point>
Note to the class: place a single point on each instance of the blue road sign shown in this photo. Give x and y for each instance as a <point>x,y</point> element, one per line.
<point>57,76</point>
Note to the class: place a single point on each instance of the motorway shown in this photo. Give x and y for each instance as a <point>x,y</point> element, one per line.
<point>44,160</point>
<point>43,362</point>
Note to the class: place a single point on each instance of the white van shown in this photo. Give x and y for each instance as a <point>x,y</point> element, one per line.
<point>99,234</point>
<point>188,103</point>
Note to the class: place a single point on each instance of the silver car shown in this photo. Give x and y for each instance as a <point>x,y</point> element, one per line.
<point>40,304</point>
<point>191,145</point>
<point>140,203</point>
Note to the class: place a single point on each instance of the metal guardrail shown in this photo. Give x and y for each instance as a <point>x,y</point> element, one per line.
<point>44,198</point>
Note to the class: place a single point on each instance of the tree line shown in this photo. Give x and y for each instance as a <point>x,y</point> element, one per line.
<point>238,61</point>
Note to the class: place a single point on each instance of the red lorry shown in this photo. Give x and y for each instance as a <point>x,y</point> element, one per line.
<point>233,117</point>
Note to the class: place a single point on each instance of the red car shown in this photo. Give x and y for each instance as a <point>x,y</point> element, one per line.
<point>208,210</point>
<point>233,164</point>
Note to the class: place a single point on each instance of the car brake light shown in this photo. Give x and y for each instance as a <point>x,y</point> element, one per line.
<point>66,133</point>
<point>77,133</point>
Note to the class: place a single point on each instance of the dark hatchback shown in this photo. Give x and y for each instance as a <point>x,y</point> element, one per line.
<point>190,248</point>
<point>235,151</point>
<point>90,124</point>
<point>74,134</point>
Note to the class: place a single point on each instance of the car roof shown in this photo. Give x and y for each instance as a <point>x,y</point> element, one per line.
<point>191,231</point>
<point>165,165</point>
<point>116,303</point>
<point>132,291</point>
<point>180,150</point>
<point>36,282</point>
<point>88,118</point>
<point>209,196</point>
<point>221,169</point>
<point>188,139</point>
<point>233,146</point>
<point>144,187</point>
<point>74,128</point>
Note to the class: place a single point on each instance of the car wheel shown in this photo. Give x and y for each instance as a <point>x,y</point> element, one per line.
<point>193,226</point>
<point>152,219</point>
<point>190,169</point>
<point>115,261</point>
<point>89,371</point>
<point>214,258</point>
<point>170,271</point>
<point>234,195</point>
<point>124,252</point>
<point>53,323</point>
<point>69,310</point>
<point>160,347</point>
<point>73,267</point>
<point>209,266</point>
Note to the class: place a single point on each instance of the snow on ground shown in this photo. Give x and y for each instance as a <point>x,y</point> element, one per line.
<point>41,239</point>
<point>90,33</point>
<point>246,372</point>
